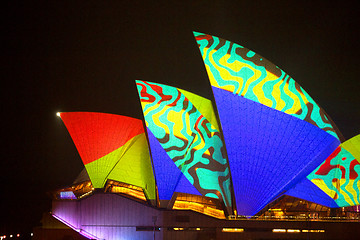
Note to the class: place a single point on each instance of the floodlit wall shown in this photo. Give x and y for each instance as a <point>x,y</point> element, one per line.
<point>108,216</point>
<point>113,217</point>
<point>68,211</point>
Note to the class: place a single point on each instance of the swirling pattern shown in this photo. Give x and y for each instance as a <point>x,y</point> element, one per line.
<point>189,139</point>
<point>338,176</point>
<point>241,71</point>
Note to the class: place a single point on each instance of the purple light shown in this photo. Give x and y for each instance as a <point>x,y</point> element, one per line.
<point>87,235</point>
<point>80,231</point>
<point>67,195</point>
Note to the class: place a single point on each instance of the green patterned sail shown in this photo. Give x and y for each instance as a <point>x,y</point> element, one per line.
<point>236,69</point>
<point>192,143</point>
<point>339,175</point>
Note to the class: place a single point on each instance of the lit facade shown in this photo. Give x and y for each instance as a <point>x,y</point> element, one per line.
<point>268,152</point>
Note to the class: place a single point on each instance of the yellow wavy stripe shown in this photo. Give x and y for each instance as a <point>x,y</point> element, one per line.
<point>176,118</point>
<point>296,105</point>
<point>321,184</point>
<point>259,92</point>
<point>346,196</point>
<point>156,119</point>
<point>351,188</point>
<point>276,93</point>
<point>223,73</point>
<point>150,108</point>
<point>189,132</point>
<point>252,79</point>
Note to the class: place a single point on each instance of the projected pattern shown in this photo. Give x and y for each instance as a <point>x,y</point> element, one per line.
<point>338,177</point>
<point>112,147</point>
<point>241,71</point>
<point>262,113</point>
<point>188,138</point>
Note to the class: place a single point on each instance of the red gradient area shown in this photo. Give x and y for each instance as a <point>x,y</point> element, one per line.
<point>97,134</point>
<point>353,173</point>
<point>146,97</point>
<point>206,36</point>
<point>326,167</point>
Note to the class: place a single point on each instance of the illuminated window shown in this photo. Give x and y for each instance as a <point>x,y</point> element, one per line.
<point>127,189</point>
<point>207,206</point>
<point>74,192</point>
<point>67,195</point>
<point>178,229</point>
<point>185,229</point>
<point>232,230</point>
<point>314,230</point>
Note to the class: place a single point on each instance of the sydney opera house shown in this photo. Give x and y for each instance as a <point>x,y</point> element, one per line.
<point>263,161</point>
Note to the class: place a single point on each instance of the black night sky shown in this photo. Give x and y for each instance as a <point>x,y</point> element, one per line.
<point>86,55</point>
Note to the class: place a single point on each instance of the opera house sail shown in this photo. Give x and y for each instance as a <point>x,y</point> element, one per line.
<point>273,128</point>
<point>263,148</point>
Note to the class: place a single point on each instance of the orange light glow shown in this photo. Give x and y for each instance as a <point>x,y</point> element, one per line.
<point>232,230</point>
<point>135,192</point>
<point>198,207</point>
